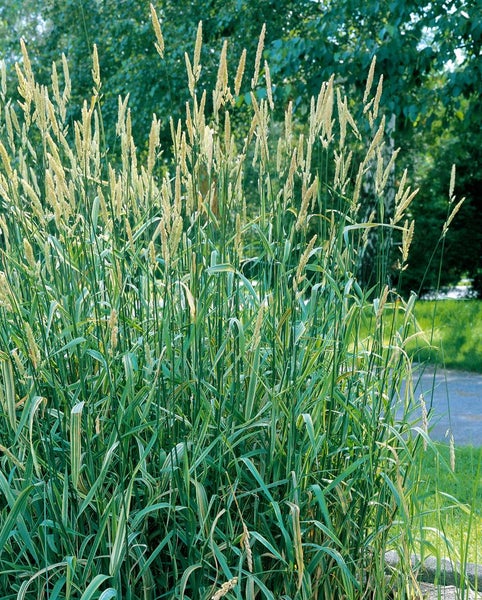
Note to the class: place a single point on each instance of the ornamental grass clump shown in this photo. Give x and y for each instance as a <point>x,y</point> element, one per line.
<point>191,404</point>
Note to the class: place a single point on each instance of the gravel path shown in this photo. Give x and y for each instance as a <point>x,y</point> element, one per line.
<point>455,398</point>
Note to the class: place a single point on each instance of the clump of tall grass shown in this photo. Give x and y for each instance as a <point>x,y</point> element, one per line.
<point>189,408</point>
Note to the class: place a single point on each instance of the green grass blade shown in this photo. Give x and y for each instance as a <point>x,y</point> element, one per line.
<point>15,512</point>
<point>92,589</point>
<point>7,394</point>
<point>76,443</point>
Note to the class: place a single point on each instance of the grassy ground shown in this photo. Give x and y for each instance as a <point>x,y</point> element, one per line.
<point>450,335</point>
<point>445,519</point>
<point>453,333</point>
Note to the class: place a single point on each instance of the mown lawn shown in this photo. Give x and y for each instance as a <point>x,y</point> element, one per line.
<point>452,333</point>
<point>449,333</point>
<point>450,515</point>
<point>452,338</point>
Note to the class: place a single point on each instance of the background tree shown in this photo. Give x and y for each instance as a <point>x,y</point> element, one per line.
<point>430,58</point>
<point>429,55</point>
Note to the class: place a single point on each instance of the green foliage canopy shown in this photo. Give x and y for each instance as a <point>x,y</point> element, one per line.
<point>429,55</point>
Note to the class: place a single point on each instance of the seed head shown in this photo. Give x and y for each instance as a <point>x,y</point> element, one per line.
<point>239,73</point>
<point>27,248</point>
<point>225,588</point>
<point>259,52</point>
<point>33,349</point>
<point>158,32</point>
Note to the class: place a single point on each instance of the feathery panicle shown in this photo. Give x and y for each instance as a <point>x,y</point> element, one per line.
<point>227,133</point>
<point>18,362</point>
<point>379,169</point>
<point>190,195</point>
<point>96,69</point>
<point>368,225</point>
<point>199,113</point>
<point>377,140</point>
<point>259,52</point>
<point>407,237</point>
<point>190,74</point>
<point>158,32</point>
<point>5,292</point>
<point>225,588</point>
<point>456,208</point>
<point>5,160</point>
<point>27,248</point>
<point>378,95</point>
<point>4,231</point>
<point>176,234</point>
<point>300,155</point>
<point>288,186</point>
<point>55,84</point>
<point>11,123</point>
<point>247,547</point>
<point>189,124</point>
<point>154,137</point>
<point>239,73</point>
<point>121,115</point>
<point>451,216</point>
<point>452,184</point>
<point>260,125</point>
<point>33,349</point>
<point>324,111</point>
<point>166,255</point>
<point>27,65</point>
<point>288,125</point>
<point>341,178</point>
<point>67,83</point>
<point>357,187</point>
<point>306,196</point>
<point>52,116</point>
<point>113,329</point>
<point>208,147</point>
<point>389,169</point>
<point>197,52</point>
<point>222,93</point>
<point>300,276</point>
<point>269,90</point>
<point>345,118</point>
<point>130,237</point>
<point>185,152</point>
<point>371,73</point>
<point>379,303</point>
<point>177,191</point>
<point>403,199</point>
<point>342,117</point>
<point>256,339</point>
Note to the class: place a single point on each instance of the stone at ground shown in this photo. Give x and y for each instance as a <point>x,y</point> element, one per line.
<point>445,573</point>
<point>450,592</point>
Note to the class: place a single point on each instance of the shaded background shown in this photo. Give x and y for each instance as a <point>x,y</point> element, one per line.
<point>429,54</point>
